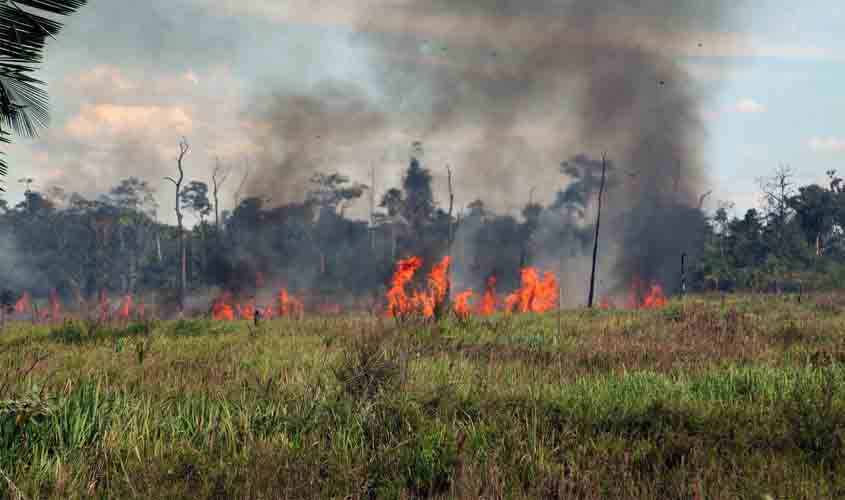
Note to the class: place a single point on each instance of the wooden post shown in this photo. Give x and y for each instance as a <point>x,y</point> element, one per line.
<point>598,226</point>
<point>683,275</point>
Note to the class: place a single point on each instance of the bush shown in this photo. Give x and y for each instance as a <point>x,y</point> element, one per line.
<point>367,369</point>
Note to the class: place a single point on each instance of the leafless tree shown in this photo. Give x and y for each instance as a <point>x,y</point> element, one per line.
<point>218,178</point>
<point>777,191</point>
<point>183,151</point>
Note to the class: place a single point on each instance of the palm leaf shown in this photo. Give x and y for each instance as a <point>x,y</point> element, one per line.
<point>23,35</point>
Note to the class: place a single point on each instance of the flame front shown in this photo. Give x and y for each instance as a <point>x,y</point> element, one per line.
<point>461,305</point>
<point>655,298</point>
<point>398,303</point>
<point>488,301</point>
<point>535,295</point>
<point>126,307</point>
<point>221,310</point>
<point>288,305</point>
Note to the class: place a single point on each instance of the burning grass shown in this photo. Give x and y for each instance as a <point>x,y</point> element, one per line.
<point>695,400</point>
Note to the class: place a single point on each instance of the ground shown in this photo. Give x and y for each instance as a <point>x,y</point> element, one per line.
<point>711,398</point>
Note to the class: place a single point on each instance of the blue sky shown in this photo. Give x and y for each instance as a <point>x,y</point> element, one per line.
<point>798,121</point>
<point>192,66</point>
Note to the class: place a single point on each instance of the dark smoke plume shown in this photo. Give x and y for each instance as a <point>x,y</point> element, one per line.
<point>517,86</point>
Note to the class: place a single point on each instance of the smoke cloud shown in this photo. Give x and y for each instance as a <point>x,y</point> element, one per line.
<point>507,89</point>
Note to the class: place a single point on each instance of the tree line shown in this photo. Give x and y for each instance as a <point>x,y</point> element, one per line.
<point>117,243</point>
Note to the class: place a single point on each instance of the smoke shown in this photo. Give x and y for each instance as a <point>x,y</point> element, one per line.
<point>510,88</point>
<point>301,134</point>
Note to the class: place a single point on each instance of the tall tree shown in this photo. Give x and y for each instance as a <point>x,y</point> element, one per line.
<point>183,151</point>
<point>418,205</point>
<point>23,35</point>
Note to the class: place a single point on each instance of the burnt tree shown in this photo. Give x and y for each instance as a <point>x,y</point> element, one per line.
<point>183,151</point>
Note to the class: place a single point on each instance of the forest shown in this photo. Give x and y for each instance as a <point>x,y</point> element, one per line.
<point>77,248</point>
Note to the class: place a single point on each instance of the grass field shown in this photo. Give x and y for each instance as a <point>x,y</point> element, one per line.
<point>701,400</point>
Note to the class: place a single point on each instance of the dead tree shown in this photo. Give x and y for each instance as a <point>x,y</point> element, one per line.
<point>598,226</point>
<point>183,275</point>
<point>218,178</point>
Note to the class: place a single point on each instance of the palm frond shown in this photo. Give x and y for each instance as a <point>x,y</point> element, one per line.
<point>23,35</point>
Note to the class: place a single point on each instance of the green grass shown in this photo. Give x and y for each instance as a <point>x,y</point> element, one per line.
<point>702,400</point>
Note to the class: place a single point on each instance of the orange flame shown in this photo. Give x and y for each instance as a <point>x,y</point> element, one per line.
<point>535,295</point>
<point>126,307</point>
<point>288,305</point>
<point>221,310</point>
<point>488,301</point>
<point>643,297</point>
<point>246,311</point>
<point>398,302</point>
<point>461,304</point>
<point>422,302</point>
<point>655,299</point>
<point>23,304</point>
<point>438,281</point>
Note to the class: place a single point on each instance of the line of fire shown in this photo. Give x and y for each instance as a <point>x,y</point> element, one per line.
<point>412,295</point>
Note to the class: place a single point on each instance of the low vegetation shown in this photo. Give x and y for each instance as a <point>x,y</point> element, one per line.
<point>741,398</point>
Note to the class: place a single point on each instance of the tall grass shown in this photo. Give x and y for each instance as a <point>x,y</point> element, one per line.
<point>694,402</point>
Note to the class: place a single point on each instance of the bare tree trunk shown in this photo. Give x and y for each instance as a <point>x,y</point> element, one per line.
<point>448,298</point>
<point>183,150</point>
<point>598,226</point>
<point>218,178</point>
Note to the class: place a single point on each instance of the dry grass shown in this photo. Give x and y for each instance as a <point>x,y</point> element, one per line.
<point>701,400</point>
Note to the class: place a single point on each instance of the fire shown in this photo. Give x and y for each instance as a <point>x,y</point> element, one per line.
<point>23,304</point>
<point>246,311</point>
<point>288,305</point>
<point>126,307</point>
<point>651,297</point>
<point>646,296</point>
<point>535,295</point>
<point>221,310</point>
<point>606,303</point>
<point>655,299</point>
<point>424,303</point>
<point>398,302</point>
<point>488,301</point>
<point>461,304</point>
<point>438,281</point>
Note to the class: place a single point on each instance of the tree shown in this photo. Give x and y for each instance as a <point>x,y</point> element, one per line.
<point>331,194</point>
<point>777,191</point>
<point>334,192</point>
<point>23,35</point>
<point>137,205</point>
<point>183,151</point>
<point>815,211</point>
<point>392,201</point>
<point>218,178</point>
<point>195,199</point>
<point>418,199</point>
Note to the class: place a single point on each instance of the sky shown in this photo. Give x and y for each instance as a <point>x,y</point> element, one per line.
<point>127,79</point>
